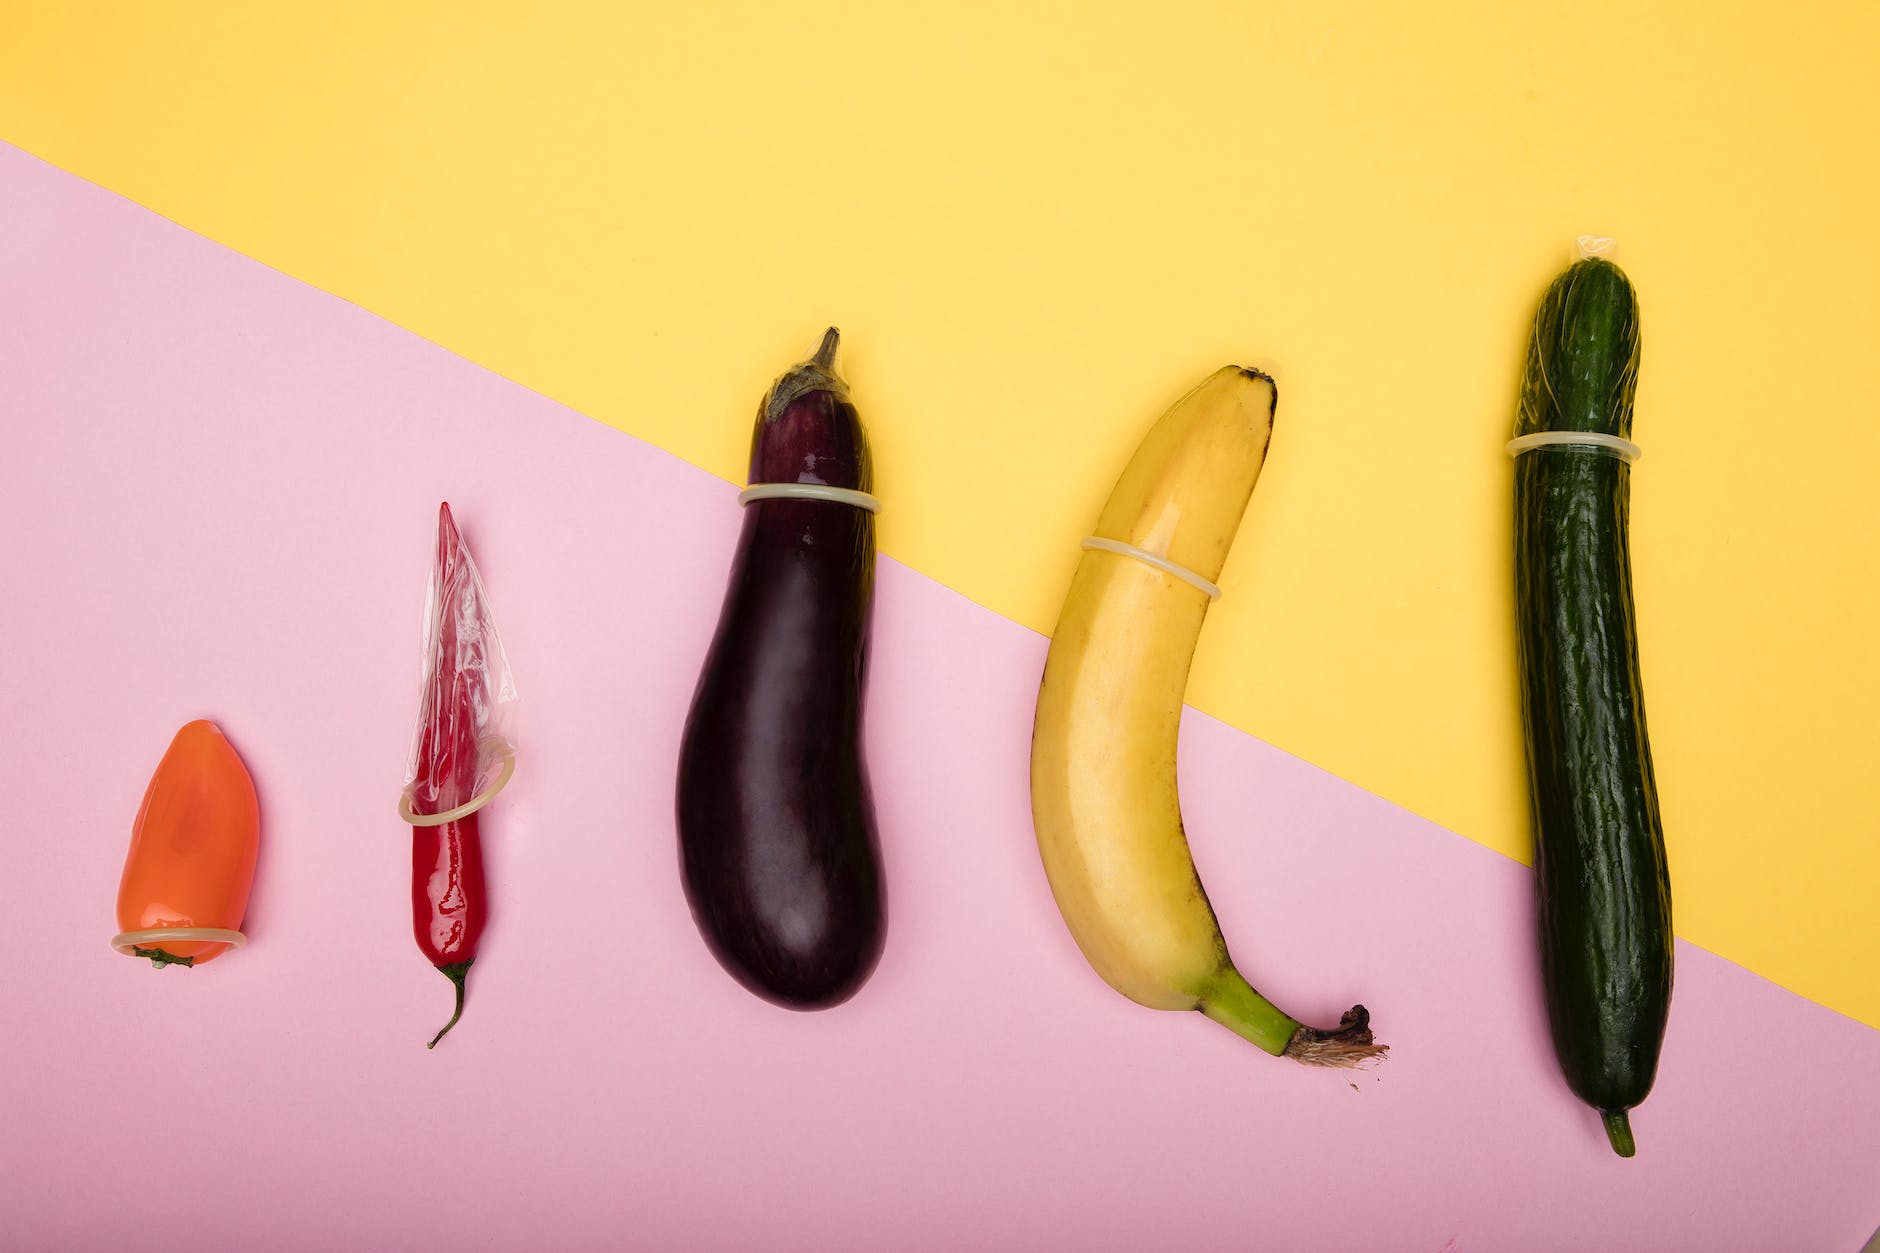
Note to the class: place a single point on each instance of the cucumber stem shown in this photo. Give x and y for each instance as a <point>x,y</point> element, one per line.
<point>455,974</point>
<point>1619,1131</point>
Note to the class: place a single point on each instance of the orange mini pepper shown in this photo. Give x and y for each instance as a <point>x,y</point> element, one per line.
<point>192,857</point>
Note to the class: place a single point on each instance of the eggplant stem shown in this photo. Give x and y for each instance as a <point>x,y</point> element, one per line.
<point>825,358</point>
<point>456,975</point>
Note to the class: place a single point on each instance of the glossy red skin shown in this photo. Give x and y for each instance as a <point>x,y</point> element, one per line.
<point>448,903</point>
<point>778,849</point>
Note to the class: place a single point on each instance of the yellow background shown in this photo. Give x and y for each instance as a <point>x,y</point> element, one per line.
<point>1039,223</point>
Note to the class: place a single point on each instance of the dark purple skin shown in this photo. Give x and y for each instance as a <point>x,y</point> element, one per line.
<point>777,841</point>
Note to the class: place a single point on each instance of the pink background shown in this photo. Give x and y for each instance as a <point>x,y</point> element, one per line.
<point>217,495</point>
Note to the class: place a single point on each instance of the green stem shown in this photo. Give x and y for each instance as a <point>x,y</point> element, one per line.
<point>1233,1003</point>
<point>160,959</point>
<point>1619,1131</point>
<point>456,975</point>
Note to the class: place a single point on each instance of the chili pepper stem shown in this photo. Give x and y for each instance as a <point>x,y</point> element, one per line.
<point>160,959</point>
<point>1619,1131</point>
<point>455,973</point>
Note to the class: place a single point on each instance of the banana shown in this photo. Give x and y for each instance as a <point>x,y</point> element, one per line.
<point>1104,799</point>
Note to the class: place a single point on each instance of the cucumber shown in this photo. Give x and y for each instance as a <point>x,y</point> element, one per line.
<point>1603,892</point>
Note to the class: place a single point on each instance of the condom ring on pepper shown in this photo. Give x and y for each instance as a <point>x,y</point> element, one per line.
<point>128,942</point>
<point>192,855</point>
<point>468,807</point>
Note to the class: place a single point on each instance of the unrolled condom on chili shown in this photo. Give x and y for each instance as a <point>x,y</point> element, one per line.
<point>462,754</point>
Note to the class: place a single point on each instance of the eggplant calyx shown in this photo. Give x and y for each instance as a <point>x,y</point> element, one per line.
<point>818,374</point>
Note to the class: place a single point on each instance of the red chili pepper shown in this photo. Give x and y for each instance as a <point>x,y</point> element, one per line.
<point>447,903</point>
<point>447,899</point>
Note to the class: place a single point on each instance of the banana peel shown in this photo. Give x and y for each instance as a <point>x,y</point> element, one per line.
<point>1105,804</point>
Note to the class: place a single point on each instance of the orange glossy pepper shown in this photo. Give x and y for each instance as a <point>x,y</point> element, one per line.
<point>192,857</point>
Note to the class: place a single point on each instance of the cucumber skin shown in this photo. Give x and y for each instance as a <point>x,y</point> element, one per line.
<point>1602,887</point>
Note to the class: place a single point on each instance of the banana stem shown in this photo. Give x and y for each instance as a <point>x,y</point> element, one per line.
<point>1234,1004</point>
<point>1346,1045</point>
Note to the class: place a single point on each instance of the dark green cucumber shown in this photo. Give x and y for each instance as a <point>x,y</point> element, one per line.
<point>1599,855</point>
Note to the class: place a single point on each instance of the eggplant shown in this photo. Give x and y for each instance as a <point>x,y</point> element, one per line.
<point>778,848</point>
